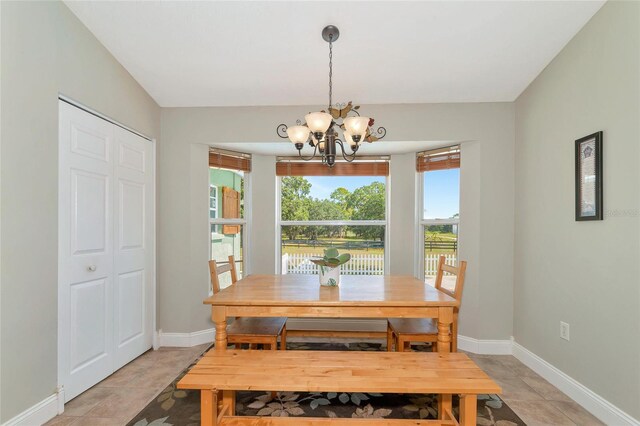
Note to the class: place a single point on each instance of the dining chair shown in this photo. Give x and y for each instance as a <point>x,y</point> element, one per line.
<point>251,331</point>
<point>403,331</point>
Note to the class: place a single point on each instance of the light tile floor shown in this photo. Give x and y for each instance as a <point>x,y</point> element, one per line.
<point>110,402</point>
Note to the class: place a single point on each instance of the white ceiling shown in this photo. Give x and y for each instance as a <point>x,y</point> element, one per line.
<point>271,53</point>
<point>286,149</point>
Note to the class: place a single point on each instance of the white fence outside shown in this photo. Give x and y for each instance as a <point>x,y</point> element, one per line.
<point>431,262</point>
<point>360,264</point>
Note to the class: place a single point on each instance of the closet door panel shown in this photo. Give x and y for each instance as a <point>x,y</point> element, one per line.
<point>134,246</point>
<point>85,281</point>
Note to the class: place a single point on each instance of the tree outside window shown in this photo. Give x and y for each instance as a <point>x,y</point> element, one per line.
<point>319,199</point>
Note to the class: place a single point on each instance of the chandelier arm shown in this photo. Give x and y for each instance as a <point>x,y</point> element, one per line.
<point>347,158</point>
<point>315,149</point>
<point>382,132</point>
<point>281,130</point>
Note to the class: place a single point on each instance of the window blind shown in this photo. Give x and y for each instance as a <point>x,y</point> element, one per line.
<point>230,160</point>
<point>300,168</point>
<point>438,159</point>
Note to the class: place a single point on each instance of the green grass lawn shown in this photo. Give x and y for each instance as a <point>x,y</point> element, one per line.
<point>320,250</point>
<point>304,247</point>
<point>440,236</point>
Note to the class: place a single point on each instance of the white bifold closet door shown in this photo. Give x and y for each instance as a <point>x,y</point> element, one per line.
<point>106,239</point>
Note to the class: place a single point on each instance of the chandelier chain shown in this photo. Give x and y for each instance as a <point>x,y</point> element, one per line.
<point>330,70</point>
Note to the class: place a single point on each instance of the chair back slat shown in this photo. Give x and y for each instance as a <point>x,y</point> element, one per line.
<point>459,271</point>
<point>226,267</point>
<point>450,269</point>
<point>447,291</point>
<point>218,269</point>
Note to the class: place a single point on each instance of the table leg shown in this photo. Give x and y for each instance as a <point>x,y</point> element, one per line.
<point>208,407</point>
<point>444,404</point>
<point>219,317</point>
<point>468,410</point>
<point>445,319</point>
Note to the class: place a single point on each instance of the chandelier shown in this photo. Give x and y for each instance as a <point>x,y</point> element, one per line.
<point>319,129</point>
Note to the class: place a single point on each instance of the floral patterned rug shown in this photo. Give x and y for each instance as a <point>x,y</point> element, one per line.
<point>180,407</point>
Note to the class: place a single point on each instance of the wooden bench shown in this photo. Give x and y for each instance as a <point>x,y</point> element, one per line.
<point>223,372</point>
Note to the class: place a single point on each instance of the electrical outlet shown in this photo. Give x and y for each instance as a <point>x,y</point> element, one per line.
<point>564,331</point>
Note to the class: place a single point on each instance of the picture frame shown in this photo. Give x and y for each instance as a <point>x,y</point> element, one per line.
<point>588,160</point>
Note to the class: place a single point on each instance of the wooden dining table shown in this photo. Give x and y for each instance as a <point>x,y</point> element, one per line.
<point>357,296</point>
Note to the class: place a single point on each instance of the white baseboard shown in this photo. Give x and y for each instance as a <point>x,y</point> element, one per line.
<point>185,340</point>
<point>591,401</point>
<point>484,347</point>
<point>40,413</point>
<point>155,342</point>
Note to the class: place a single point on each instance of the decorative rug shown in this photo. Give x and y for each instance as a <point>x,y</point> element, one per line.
<point>182,407</point>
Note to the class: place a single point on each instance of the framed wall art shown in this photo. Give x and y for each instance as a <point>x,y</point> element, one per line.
<point>589,177</point>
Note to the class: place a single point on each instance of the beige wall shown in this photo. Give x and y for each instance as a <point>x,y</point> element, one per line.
<point>583,273</point>
<point>45,51</point>
<point>487,132</point>
<point>402,212</point>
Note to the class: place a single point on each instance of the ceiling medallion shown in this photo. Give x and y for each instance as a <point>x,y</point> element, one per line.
<point>319,129</point>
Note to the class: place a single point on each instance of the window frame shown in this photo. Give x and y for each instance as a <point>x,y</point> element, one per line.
<point>245,222</point>
<point>215,197</point>
<point>422,223</point>
<point>380,222</point>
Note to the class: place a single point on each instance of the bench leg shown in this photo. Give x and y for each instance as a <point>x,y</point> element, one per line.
<point>208,407</point>
<point>468,410</point>
<point>444,404</point>
<point>389,338</point>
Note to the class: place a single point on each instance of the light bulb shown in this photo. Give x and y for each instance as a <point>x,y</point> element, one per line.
<point>357,127</point>
<point>298,134</point>
<point>318,122</point>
